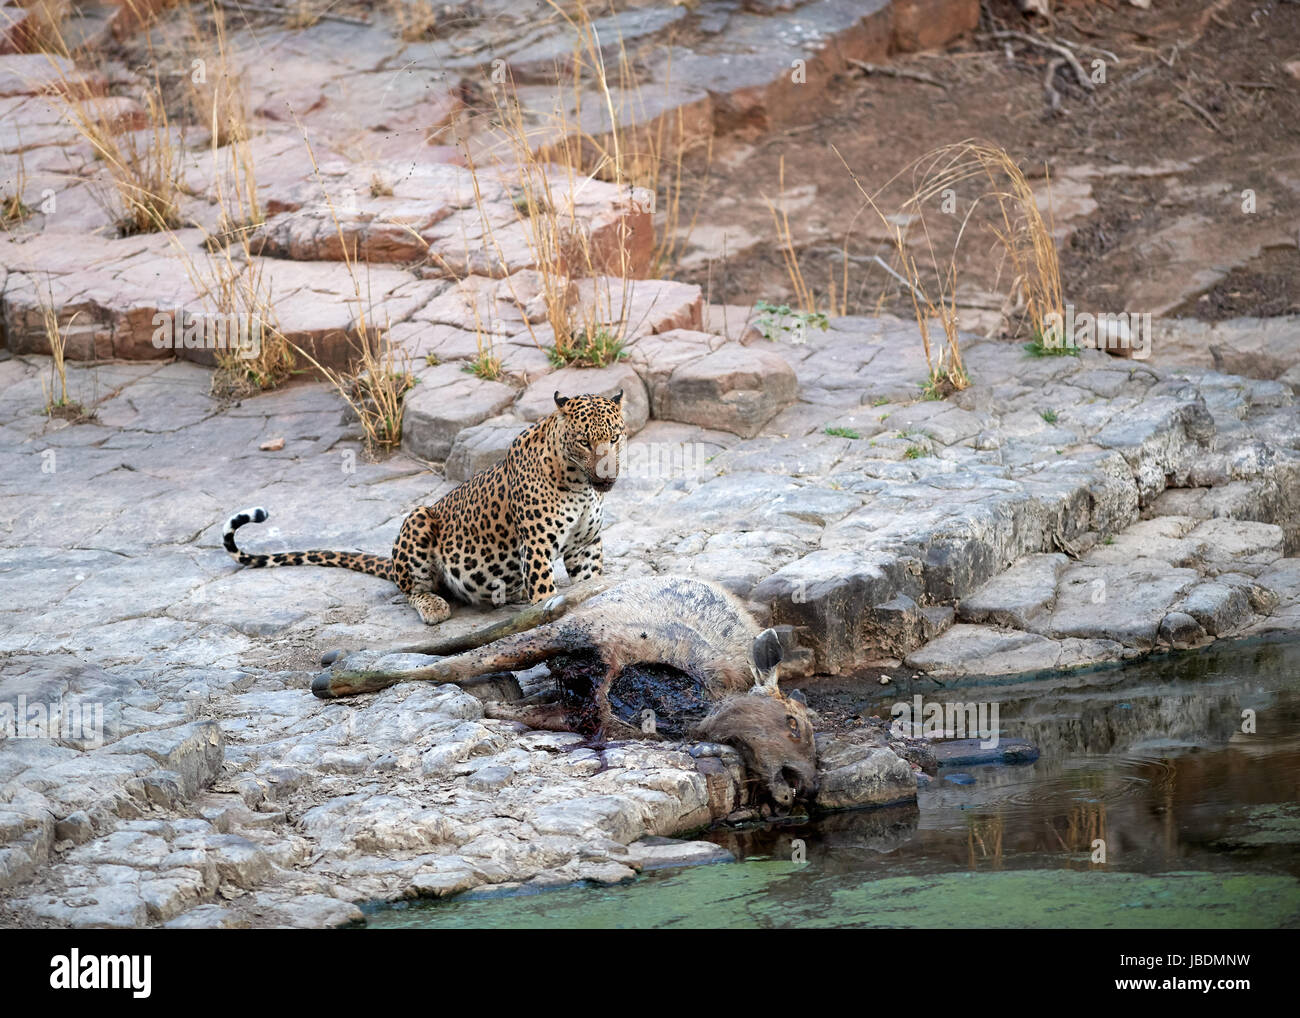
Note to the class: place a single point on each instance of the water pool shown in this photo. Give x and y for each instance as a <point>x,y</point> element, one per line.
<point>1200,819</point>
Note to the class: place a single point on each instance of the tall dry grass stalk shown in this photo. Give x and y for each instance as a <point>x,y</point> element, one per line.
<point>379,376</point>
<point>803,294</point>
<point>552,156</point>
<point>559,241</point>
<point>57,401</point>
<point>13,209</point>
<point>636,149</point>
<point>143,166</point>
<point>1015,222</point>
<point>220,105</point>
<point>57,341</point>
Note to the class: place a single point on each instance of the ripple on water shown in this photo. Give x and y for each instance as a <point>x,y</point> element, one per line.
<point>1038,789</point>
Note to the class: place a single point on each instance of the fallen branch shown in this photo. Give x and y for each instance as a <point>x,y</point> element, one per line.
<point>1053,96</point>
<point>1137,76</point>
<point>1114,58</point>
<point>1196,107</point>
<point>897,72</point>
<point>1055,47</point>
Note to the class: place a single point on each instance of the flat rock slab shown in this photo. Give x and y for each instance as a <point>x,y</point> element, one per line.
<point>736,389</point>
<point>538,400</point>
<point>1019,596</point>
<point>984,650</point>
<point>446,401</point>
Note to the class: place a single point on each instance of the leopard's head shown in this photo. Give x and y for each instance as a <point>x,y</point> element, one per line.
<point>593,433</point>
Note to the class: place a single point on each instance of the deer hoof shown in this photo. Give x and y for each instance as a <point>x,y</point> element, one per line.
<point>329,657</point>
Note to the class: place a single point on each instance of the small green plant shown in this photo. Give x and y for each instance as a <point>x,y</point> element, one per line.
<point>915,452</point>
<point>782,318</point>
<point>880,401</point>
<point>1108,539</point>
<point>589,349</point>
<point>486,366</point>
<point>841,432</point>
<point>432,360</point>
<point>941,384</point>
<point>1050,416</point>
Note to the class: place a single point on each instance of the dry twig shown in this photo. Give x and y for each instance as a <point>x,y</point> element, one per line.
<point>1055,47</point>
<point>898,72</point>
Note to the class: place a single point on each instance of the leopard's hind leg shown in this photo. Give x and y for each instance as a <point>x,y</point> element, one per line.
<point>417,566</point>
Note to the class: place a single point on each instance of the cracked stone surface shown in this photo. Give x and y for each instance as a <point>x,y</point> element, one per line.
<point>1060,513</point>
<point>968,535</point>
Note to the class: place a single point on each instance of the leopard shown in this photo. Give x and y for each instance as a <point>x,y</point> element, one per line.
<point>496,537</point>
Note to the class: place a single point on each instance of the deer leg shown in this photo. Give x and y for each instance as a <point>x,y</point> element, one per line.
<point>548,717</point>
<point>529,617</point>
<point>509,654</point>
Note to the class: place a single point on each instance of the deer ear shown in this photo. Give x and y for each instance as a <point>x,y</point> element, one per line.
<point>797,694</point>
<point>618,396</point>
<point>767,651</point>
<point>560,400</point>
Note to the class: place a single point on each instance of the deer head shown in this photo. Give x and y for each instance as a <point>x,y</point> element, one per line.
<point>772,731</point>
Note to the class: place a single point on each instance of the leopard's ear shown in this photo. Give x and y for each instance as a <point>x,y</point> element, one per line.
<point>618,396</point>
<point>560,400</point>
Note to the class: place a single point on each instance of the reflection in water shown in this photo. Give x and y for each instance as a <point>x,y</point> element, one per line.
<point>1166,788</point>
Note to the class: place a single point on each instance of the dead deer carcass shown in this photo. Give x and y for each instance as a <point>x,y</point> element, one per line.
<point>682,652</point>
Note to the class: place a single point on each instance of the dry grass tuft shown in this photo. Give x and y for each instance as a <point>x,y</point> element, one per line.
<point>373,386</point>
<point>143,166</point>
<point>1009,210</point>
<point>376,381</point>
<point>237,289</point>
<point>57,402</point>
<point>13,209</point>
<point>803,294</point>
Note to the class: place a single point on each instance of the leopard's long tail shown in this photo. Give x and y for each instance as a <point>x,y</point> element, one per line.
<point>374,565</point>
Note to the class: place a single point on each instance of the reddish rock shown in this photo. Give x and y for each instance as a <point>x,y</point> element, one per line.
<point>927,24</point>
<point>640,307</point>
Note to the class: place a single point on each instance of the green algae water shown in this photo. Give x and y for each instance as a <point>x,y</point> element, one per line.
<point>1186,768</point>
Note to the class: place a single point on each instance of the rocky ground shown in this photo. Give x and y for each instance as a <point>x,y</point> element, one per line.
<point>1154,509</point>
<point>1063,511</point>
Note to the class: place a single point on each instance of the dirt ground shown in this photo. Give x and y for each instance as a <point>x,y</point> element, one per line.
<point>1149,169</point>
